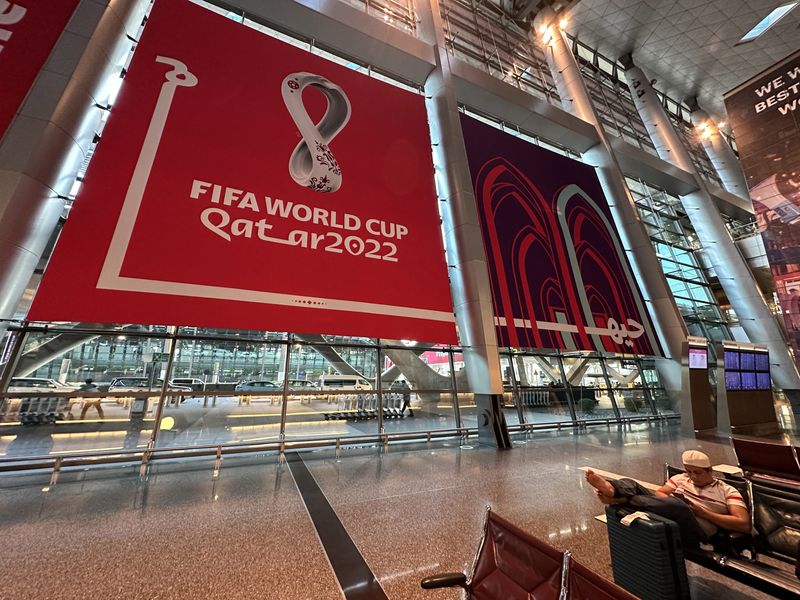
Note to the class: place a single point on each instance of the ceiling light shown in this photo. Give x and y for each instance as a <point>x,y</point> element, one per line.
<point>564,22</point>
<point>767,22</point>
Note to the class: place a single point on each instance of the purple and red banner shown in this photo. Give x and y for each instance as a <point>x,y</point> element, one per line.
<point>249,184</point>
<point>28,31</point>
<point>765,115</point>
<point>560,278</point>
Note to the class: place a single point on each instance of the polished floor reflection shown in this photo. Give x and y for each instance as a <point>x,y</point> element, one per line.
<point>410,512</point>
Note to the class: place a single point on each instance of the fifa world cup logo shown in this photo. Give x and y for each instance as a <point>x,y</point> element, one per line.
<point>312,164</point>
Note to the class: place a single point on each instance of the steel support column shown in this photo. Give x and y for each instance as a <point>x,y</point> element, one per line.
<point>576,100</point>
<point>51,133</point>
<point>719,152</point>
<point>469,273</point>
<point>734,274</point>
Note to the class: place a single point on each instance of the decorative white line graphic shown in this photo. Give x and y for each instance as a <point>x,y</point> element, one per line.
<point>312,163</point>
<point>110,275</point>
<point>178,77</point>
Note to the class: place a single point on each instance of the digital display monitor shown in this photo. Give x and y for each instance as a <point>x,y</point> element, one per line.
<point>746,370</point>
<point>749,380</point>
<point>763,381</point>
<point>747,361</point>
<point>698,358</point>
<point>733,380</point>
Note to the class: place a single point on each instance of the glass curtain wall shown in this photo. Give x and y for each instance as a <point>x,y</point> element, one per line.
<point>558,387</point>
<point>611,97</point>
<point>677,249</point>
<point>483,35</point>
<point>76,389</point>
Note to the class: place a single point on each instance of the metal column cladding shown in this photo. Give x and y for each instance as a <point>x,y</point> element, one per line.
<point>734,274</point>
<point>64,80</point>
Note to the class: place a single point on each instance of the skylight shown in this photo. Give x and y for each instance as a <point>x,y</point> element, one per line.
<point>768,21</point>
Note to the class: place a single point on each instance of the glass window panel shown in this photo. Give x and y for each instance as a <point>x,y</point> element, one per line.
<point>416,385</point>
<point>541,391</point>
<point>235,395</point>
<point>587,384</point>
<point>510,398</point>
<point>335,391</point>
<point>50,407</point>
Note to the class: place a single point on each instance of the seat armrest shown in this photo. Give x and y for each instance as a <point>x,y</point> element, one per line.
<point>443,580</point>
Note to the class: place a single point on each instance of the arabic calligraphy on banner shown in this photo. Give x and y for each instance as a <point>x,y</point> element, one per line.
<point>288,201</point>
<point>560,278</point>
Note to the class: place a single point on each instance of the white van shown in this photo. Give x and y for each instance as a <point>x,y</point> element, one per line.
<point>343,382</point>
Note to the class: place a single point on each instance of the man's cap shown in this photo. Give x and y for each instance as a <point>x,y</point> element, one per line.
<point>695,458</point>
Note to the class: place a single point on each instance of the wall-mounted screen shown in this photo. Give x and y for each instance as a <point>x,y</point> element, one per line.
<point>698,358</point>
<point>733,380</point>
<point>748,380</point>
<point>763,381</point>
<point>746,370</point>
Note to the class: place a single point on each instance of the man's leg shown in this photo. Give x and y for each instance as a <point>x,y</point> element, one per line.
<point>674,510</point>
<point>630,492</point>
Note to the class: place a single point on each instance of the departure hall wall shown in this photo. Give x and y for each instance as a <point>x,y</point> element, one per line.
<point>218,205</point>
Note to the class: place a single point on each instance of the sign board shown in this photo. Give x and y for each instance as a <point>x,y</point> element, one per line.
<point>249,184</point>
<point>28,31</point>
<point>764,113</point>
<point>560,277</point>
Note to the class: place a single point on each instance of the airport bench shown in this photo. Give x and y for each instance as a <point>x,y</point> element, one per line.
<point>511,564</point>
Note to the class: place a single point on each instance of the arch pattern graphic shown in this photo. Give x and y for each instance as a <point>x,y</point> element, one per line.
<point>560,278</point>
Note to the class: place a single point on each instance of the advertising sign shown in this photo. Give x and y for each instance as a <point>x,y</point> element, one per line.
<point>560,278</point>
<point>765,115</point>
<point>28,31</point>
<point>249,184</point>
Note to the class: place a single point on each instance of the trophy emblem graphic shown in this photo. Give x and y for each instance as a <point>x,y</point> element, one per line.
<point>312,164</point>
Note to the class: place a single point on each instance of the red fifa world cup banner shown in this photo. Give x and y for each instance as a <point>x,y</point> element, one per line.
<point>28,31</point>
<point>248,184</point>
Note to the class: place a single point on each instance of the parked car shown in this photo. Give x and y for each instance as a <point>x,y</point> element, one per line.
<point>342,383</point>
<point>35,384</point>
<point>135,384</point>
<point>303,384</point>
<point>258,385</point>
<point>251,389</point>
<point>140,387</point>
<point>197,385</point>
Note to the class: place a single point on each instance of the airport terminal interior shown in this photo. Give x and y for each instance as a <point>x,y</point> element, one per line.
<point>310,300</point>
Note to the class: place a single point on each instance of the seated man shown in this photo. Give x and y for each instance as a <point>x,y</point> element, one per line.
<point>696,501</point>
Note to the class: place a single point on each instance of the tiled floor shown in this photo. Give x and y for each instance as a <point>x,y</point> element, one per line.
<point>411,511</point>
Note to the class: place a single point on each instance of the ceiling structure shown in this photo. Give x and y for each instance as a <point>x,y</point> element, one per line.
<point>688,46</point>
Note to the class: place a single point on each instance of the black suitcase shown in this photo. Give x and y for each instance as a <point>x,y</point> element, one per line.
<point>646,557</point>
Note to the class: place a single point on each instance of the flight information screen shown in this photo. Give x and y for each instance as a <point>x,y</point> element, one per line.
<point>746,370</point>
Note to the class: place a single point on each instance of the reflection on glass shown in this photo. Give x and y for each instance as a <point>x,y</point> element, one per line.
<point>588,387</point>
<point>540,389</point>
<point>332,391</point>
<point>230,393</point>
<point>627,387</point>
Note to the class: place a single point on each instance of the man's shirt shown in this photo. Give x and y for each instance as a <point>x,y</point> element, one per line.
<point>716,496</point>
